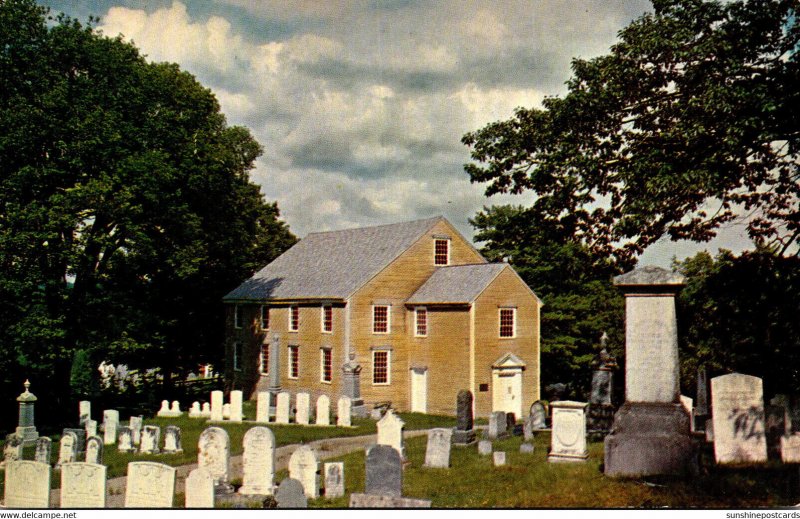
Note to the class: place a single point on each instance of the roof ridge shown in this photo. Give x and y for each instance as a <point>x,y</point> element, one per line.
<point>433,218</point>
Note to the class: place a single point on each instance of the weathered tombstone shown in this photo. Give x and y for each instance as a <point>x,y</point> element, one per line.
<point>199,489</point>
<point>568,439</point>
<point>709,430</point>
<point>26,430</point>
<point>195,411</point>
<point>27,484</point>
<point>151,437</point>
<point>172,440</point>
<point>390,431</point>
<point>12,448</point>
<point>84,411</point>
<point>206,410</point>
<point>372,501</point>
<point>282,408</point>
<point>214,454</point>
<point>334,479</point>
<point>216,406</point>
<point>291,494</point>
<point>258,462</point>
<point>384,471</point>
<point>790,448</point>
<point>302,405</point>
<point>94,450</point>
<point>303,467</point>
<point>464,432</point>
<point>164,411</point>
<point>226,411</point>
<point>700,413</point>
<point>262,407</point>
<point>437,452</point>
<point>738,415</point>
<point>497,425</point>
<point>526,448</point>
<point>499,458</point>
<point>601,408</point>
<point>110,426</point>
<point>236,406</point>
<point>538,415</point>
<point>80,437</point>
<point>67,450</point>
<point>83,485</point>
<point>343,407</point>
<point>175,410</point>
<point>135,423</point>
<point>323,410</point>
<point>484,447</point>
<point>44,449</point>
<point>125,440</point>
<point>652,420</point>
<point>351,386</point>
<point>511,423</point>
<point>149,485</point>
<point>90,427</point>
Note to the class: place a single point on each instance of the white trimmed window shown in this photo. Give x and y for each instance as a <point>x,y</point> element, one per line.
<point>263,359</point>
<point>441,252</point>
<point>294,318</point>
<point>237,356</point>
<point>381,364</point>
<point>420,322</point>
<point>238,316</point>
<point>327,319</point>
<point>508,323</point>
<point>325,365</point>
<point>264,321</point>
<point>381,318</point>
<point>294,362</point>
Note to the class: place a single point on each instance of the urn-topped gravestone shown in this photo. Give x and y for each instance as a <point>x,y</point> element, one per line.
<point>26,430</point>
<point>650,435</point>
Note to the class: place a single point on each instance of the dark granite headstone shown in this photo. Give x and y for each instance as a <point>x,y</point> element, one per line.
<point>290,494</point>
<point>700,412</point>
<point>774,428</point>
<point>511,422</point>
<point>601,408</point>
<point>464,433</point>
<point>384,471</point>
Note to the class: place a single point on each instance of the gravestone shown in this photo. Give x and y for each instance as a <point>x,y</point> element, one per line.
<point>206,410</point>
<point>464,432</point>
<point>262,407</point>
<point>568,437</point>
<point>27,484</point>
<point>323,410</point>
<point>258,462</point>
<point>12,448</point>
<point>688,404</point>
<point>195,411</point>
<point>601,405</point>
<point>343,408</point>
<point>199,489</point>
<point>26,430</point>
<point>84,412</point>
<point>80,437</point>
<point>175,410</point>
<point>499,458</point>
<point>372,501</point>
<point>351,386</point>
<point>90,427</point>
<point>214,455</point>
<point>334,479</point>
<point>790,448</point>
<point>125,440</point>
<point>94,450</point>
<point>511,423</point>
<point>149,485</point>
<point>303,467</point>
<point>484,447</point>
<point>497,425</point>
<point>226,411</point>
<point>83,485</point>
<point>390,432</point>
<point>774,429</point>
<point>538,414</point>
<point>282,408</point>
<point>526,448</point>
<point>652,420</point>
<point>737,406</point>
<point>701,413</point>
<point>110,426</point>
<point>437,452</point>
<point>302,405</point>
<point>151,437</point>
<point>216,406</point>
<point>236,406</point>
<point>67,450</point>
<point>172,440</point>
<point>44,449</point>
<point>291,494</point>
<point>135,423</point>
<point>164,411</point>
<point>384,471</point>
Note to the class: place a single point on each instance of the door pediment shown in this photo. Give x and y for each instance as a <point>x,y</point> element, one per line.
<point>509,361</point>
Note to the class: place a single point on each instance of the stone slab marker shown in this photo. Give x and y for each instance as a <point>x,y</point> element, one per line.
<point>323,410</point>
<point>214,455</point>
<point>700,411</point>
<point>737,412</point>
<point>568,438</point>
<point>135,423</point>
<point>206,410</point>
<point>384,471</point>
<point>303,404</point>
<point>226,411</point>
<point>303,467</point>
<point>83,485</point>
<point>291,494</point>
<point>258,462</point>
<point>497,425</point>
<point>216,406</point>
<point>390,431</point>
<point>199,489</point>
<point>151,437</point>
<point>90,427</point>
<point>194,410</point>
<point>343,407</point>
<point>371,501</point>
<point>125,440</point>
<point>44,449</point>
<point>67,451</point>
<point>12,449</point>
<point>262,407</point>
<point>334,479</point>
<point>437,453</point>
<point>94,450</point>
<point>538,414</point>
<point>80,439</point>
<point>27,484</point>
<point>110,426</point>
<point>790,448</point>
<point>651,433</point>
<point>84,412</point>
<point>149,485</point>
<point>172,440</point>
<point>499,458</point>
<point>282,408</point>
<point>236,406</point>
<point>484,447</point>
<point>464,432</point>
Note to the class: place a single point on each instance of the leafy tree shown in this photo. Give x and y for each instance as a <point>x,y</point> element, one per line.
<point>690,120</point>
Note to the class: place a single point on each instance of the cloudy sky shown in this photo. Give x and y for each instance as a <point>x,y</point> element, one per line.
<point>361,104</point>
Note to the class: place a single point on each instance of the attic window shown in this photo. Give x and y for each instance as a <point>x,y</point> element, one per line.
<point>294,318</point>
<point>327,318</point>
<point>508,322</point>
<point>441,252</point>
<point>380,319</point>
<point>421,322</point>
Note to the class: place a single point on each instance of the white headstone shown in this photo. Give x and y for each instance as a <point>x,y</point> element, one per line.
<point>151,437</point>
<point>214,454</point>
<point>262,407</point>
<point>343,409</point>
<point>737,404</point>
<point>790,448</point>
<point>216,406</point>
<point>323,410</point>
<point>84,411</point>
<point>164,411</point>
<point>27,484</point>
<point>83,485</point>
<point>199,489</point>
<point>282,408</point>
<point>91,427</point>
<point>67,448</point>
<point>437,453</point>
<point>149,485</point>
<point>258,462</point>
<point>334,479</point>
<point>44,448</point>
<point>206,410</point>
<point>125,443</point>
<point>568,436</point>
<point>226,411</point>
<point>110,426</point>
<point>175,410</point>
<point>499,458</point>
<point>135,423</point>
<point>172,440</point>
<point>194,411</point>
<point>94,450</point>
<point>303,467</point>
<point>236,406</point>
<point>303,407</point>
<point>390,431</point>
<point>12,449</point>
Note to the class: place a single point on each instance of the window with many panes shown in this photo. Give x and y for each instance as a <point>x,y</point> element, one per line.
<point>380,319</point>
<point>326,365</point>
<point>264,317</point>
<point>327,318</point>
<point>441,252</point>
<point>507,322</point>
<point>294,361</point>
<point>380,366</point>
<point>421,322</point>
<point>294,318</point>
<point>263,360</point>
<point>237,356</point>
<point>238,316</point>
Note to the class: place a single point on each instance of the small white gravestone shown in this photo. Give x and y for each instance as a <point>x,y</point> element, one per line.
<point>149,485</point>
<point>484,447</point>
<point>44,449</point>
<point>226,411</point>
<point>323,410</point>
<point>790,448</point>
<point>334,479</point>
<point>258,462</point>
<point>94,450</point>
<point>110,426</point>
<point>172,440</point>
<point>125,440</point>
<point>91,428</point>
<point>737,403</point>
<point>199,489</point>
<point>164,411</point>
<point>151,437</point>
<point>303,467</point>
<point>214,455</point>
<point>27,484</point>
<point>303,403</point>
<point>135,423</point>
<point>175,410</point>
<point>67,448</point>
<point>437,453</point>
<point>236,406</point>
<point>568,436</point>
<point>499,458</point>
<point>216,406</point>
<point>390,431</point>
<point>262,407</point>
<point>282,408</point>
<point>83,485</point>
<point>343,409</point>
<point>84,411</point>
<point>194,411</point>
<point>206,410</point>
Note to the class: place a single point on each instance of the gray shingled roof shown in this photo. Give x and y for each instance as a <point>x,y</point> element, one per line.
<point>331,264</point>
<point>456,284</point>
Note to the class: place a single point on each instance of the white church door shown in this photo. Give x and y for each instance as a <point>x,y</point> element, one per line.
<point>419,390</point>
<point>507,385</point>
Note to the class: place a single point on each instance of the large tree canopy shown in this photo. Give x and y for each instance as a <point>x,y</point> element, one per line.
<point>690,121</point>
